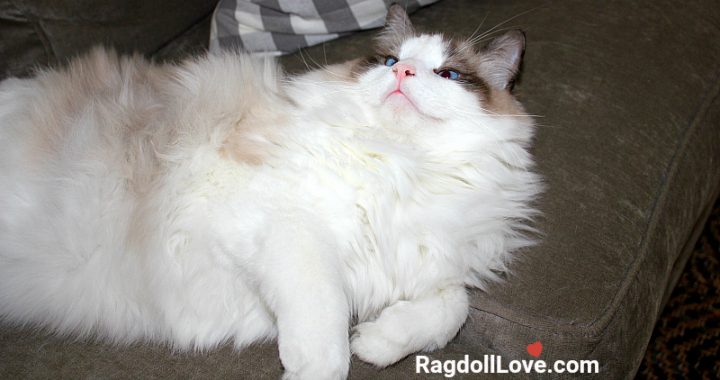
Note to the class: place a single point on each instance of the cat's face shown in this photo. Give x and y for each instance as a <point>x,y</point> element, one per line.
<point>419,77</point>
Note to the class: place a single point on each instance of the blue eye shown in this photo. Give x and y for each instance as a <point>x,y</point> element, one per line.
<point>449,74</point>
<point>390,60</point>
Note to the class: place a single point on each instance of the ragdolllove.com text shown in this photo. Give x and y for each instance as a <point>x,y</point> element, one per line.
<point>494,364</point>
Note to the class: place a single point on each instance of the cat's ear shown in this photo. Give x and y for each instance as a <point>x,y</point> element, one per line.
<point>500,59</point>
<point>397,28</point>
<point>398,21</point>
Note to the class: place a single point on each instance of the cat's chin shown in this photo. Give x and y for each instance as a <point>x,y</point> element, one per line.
<point>402,111</point>
<point>401,104</point>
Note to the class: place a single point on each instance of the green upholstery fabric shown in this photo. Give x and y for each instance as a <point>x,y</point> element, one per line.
<point>42,32</point>
<point>627,98</point>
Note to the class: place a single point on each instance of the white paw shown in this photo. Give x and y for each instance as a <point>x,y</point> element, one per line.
<point>308,361</point>
<point>318,370</point>
<point>380,346</point>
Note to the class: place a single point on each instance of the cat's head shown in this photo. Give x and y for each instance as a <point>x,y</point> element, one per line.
<point>426,77</point>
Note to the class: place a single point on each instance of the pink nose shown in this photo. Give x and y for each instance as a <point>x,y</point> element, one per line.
<point>403,70</point>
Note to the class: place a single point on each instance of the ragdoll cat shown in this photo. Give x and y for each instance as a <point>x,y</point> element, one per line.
<point>219,201</point>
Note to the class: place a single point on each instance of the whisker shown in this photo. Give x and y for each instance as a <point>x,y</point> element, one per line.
<point>307,66</point>
<point>482,22</point>
<point>495,29</point>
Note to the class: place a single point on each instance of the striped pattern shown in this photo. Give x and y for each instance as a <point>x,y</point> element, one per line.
<point>275,27</point>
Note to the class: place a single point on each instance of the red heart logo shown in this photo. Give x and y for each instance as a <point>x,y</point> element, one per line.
<point>535,349</point>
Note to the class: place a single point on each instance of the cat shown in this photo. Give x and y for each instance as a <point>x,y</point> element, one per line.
<point>219,200</point>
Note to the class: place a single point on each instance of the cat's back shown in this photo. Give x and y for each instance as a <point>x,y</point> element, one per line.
<point>77,112</point>
<point>102,103</point>
<point>84,151</point>
<point>106,129</point>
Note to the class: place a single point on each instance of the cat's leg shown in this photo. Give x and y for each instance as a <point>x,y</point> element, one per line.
<point>425,323</point>
<point>304,289</point>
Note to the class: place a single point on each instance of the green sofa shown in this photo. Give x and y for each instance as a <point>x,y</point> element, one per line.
<point>627,102</point>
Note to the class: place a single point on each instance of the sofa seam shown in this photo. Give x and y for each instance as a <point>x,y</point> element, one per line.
<point>680,153</point>
<point>548,329</point>
<point>189,29</point>
<point>39,30</point>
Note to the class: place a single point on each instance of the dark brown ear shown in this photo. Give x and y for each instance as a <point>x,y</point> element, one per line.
<point>398,21</point>
<point>397,27</point>
<point>500,59</point>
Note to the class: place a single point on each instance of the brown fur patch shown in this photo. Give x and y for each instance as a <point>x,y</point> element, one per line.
<point>502,102</point>
<point>113,92</point>
<point>347,71</point>
<point>249,142</point>
<point>362,65</point>
<point>463,58</point>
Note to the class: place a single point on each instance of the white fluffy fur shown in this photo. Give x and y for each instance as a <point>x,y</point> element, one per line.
<point>127,214</point>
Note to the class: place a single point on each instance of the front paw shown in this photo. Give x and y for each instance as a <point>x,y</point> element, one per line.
<point>306,361</point>
<point>379,345</point>
<point>320,369</point>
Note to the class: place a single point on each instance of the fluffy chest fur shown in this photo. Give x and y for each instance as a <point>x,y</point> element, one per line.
<point>403,219</point>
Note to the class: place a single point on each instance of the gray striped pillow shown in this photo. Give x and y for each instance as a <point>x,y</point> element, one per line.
<point>275,27</point>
